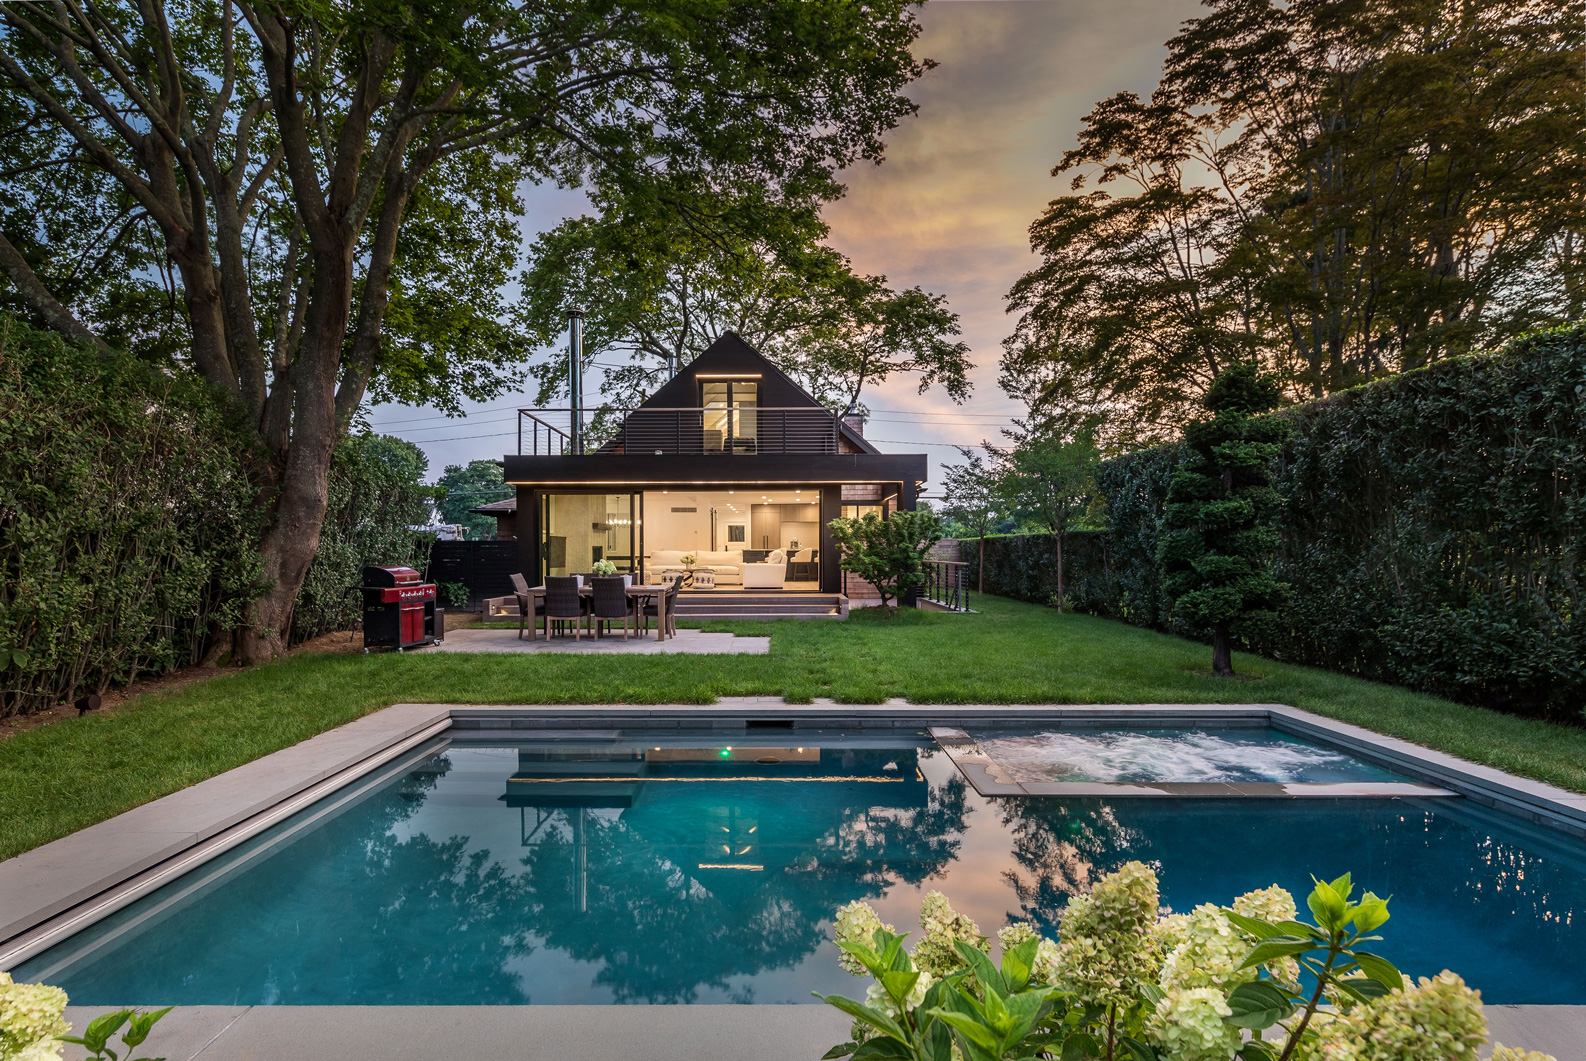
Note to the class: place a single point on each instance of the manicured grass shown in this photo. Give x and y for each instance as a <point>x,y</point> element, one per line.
<point>62,777</point>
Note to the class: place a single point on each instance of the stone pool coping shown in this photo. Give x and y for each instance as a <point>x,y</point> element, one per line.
<point>661,1033</point>
<point>47,893</point>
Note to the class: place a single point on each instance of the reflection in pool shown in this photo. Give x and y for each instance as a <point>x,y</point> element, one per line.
<point>679,870</point>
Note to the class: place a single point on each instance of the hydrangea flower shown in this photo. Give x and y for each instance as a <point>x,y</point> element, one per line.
<point>1208,952</point>
<point>1501,1052</point>
<point>1268,904</point>
<point>856,923</point>
<point>30,1019</point>
<point>876,996</point>
<point>1107,941</point>
<point>1044,968</point>
<point>1188,1025</point>
<point>1438,1018</point>
<point>935,952</point>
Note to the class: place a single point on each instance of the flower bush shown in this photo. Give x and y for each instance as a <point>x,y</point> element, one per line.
<point>33,1026</point>
<point>1126,981</point>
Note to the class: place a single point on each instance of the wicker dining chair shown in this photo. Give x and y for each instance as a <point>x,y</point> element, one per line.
<point>662,607</point>
<point>520,590</point>
<point>563,604</point>
<point>610,603</point>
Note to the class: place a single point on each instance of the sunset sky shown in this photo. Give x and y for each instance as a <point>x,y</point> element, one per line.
<point>949,207</point>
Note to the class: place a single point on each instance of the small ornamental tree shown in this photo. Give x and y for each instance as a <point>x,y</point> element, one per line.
<point>1217,537</point>
<point>974,498</point>
<point>1049,476</point>
<point>887,553</point>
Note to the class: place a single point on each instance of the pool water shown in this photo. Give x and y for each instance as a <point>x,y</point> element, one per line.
<point>1172,755</point>
<point>648,870</point>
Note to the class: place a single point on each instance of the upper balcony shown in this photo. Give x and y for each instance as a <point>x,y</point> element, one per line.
<point>741,430</point>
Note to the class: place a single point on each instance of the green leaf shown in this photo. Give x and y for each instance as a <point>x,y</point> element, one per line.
<point>840,1050</point>
<point>1327,906</point>
<point>101,1028</point>
<point>1018,963</point>
<point>898,984</point>
<point>138,1030</point>
<point>1302,930</point>
<point>1135,1049</point>
<point>1256,1050</point>
<point>5,658</point>
<point>1258,1005</point>
<point>20,657</point>
<point>873,1017</point>
<point>1370,914</point>
<point>1379,969</point>
<point>988,975</point>
<point>883,1046</point>
<point>1079,1046</point>
<point>1277,947</point>
<point>1253,925</point>
<point>970,1028</point>
<point>1362,988</point>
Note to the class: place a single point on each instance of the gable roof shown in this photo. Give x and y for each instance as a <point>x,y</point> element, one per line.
<point>731,355</point>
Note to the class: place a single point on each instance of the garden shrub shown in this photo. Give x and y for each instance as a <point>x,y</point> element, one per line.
<point>1432,528</point>
<point>1128,980</point>
<point>127,522</point>
<point>377,497</point>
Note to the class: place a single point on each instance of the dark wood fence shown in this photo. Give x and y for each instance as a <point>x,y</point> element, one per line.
<point>485,567</point>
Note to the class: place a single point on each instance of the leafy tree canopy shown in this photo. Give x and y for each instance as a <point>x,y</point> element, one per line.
<point>1338,192</point>
<point>469,486</point>
<point>659,287</point>
<point>311,205</point>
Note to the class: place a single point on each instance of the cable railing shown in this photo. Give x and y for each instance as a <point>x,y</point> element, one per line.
<point>947,584</point>
<point>728,430</point>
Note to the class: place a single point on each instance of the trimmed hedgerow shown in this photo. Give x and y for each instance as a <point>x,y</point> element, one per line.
<point>1432,528</point>
<point>127,523</point>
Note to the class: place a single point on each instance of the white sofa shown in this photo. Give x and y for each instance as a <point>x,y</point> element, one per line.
<point>770,575</point>
<point>726,565</point>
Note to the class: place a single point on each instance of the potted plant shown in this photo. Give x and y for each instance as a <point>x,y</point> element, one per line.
<point>607,568</point>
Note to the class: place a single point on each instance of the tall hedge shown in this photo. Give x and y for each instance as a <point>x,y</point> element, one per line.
<point>126,519</point>
<point>1433,528</point>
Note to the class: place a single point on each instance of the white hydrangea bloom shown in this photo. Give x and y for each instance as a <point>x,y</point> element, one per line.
<point>1438,1018</point>
<point>1209,953</point>
<point>1268,904</point>
<point>856,923</point>
<point>1188,1026</point>
<point>1107,942</point>
<point>1044,968</point>
<point>876,996</point>
<point>935,953</point>
<point>30,1019</point>
<point>1501,1052</point>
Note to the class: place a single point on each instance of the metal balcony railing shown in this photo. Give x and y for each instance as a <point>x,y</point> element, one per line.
<point>947,584</point>
<point>736,430</point>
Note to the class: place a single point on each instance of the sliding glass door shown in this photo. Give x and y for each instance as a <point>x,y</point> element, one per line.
<point>578,530</point>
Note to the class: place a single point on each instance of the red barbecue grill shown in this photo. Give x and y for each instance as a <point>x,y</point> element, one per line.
<point>398,610</point>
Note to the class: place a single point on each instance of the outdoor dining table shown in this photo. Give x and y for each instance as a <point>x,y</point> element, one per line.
<point>637,595</point>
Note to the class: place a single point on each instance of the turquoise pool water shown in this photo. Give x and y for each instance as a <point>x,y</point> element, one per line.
<point>647,870</point>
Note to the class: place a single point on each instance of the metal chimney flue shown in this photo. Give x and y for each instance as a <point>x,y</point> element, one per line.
<point>575,378</point>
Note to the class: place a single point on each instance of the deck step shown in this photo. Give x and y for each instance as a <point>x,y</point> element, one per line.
<point>739,605</point>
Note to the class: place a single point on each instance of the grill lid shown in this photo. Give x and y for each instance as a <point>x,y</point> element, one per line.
<point>389,576</point>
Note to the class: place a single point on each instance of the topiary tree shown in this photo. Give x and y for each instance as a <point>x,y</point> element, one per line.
<point>887,553</point>
<point>1217,538</point>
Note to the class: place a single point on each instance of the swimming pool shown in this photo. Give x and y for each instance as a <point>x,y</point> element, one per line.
<point>628,867</point>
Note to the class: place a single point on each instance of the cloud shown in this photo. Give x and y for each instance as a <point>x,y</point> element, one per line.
<point>950,206</point>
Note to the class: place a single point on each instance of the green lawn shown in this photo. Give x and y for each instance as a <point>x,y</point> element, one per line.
<point>65,776</point>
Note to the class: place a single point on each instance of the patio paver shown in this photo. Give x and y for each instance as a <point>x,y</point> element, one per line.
<point>686,642</point>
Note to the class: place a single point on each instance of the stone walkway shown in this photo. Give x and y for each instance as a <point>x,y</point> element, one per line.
<point>687,642</point>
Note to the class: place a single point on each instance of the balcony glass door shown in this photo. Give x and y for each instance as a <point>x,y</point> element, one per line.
<point>732,423</point>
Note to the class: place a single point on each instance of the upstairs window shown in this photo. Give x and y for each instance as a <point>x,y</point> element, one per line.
<point>731,421</point>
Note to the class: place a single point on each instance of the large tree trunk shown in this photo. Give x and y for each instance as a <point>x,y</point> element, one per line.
<point>1060,572</point>
<point>1222,651</point>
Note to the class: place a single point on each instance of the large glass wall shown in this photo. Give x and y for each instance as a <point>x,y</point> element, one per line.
<point>731,417</point>
<point>576,530</point>
<point>748,538</point>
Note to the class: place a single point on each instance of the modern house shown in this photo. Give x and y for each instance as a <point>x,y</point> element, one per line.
<point>730,462</point>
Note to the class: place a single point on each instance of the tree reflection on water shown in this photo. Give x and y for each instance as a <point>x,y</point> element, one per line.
<point>699,883</point>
